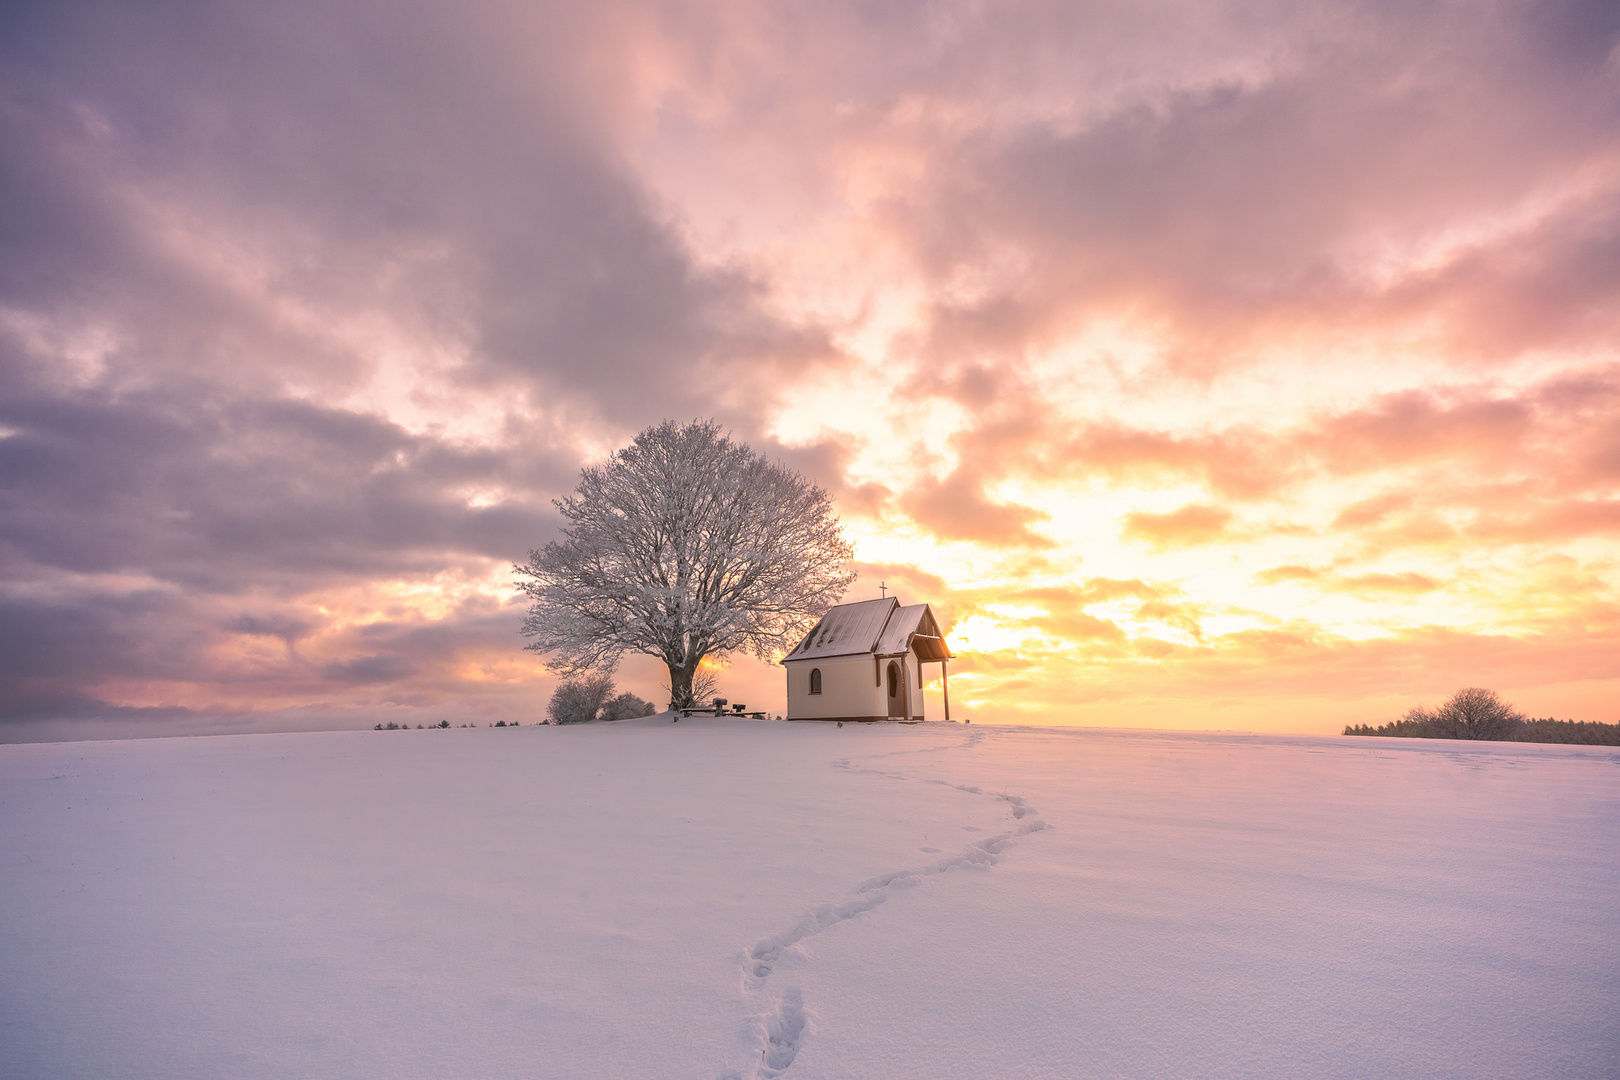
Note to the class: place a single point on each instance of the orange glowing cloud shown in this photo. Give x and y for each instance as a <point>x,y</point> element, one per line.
<point>1189,526</point>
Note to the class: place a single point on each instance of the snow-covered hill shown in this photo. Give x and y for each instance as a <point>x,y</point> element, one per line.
<point>740,899</point>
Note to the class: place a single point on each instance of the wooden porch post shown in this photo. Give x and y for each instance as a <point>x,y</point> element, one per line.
<point>945,684</point>
<point>905,688</point>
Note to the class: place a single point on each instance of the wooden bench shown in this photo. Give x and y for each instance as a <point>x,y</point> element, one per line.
<point>721,707</point>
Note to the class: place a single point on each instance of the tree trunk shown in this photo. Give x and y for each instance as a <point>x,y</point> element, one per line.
<point>680,685</point>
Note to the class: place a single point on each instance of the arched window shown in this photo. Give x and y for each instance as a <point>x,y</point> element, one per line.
<point>815,680</point>
<point>894,679</point>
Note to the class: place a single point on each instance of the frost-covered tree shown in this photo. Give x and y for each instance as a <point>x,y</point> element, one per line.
<point>627,706</point>
<point>578,700</point>
<point>684,545</point>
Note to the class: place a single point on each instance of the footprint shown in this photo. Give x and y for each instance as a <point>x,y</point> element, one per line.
<point>784,1030</point>
<point>762,958</point>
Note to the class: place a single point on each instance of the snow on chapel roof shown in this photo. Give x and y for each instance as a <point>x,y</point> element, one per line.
<point>873,627</point>
<point>910,627</point>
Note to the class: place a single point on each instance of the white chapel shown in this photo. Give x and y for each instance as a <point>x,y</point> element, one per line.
<point>865,662</point>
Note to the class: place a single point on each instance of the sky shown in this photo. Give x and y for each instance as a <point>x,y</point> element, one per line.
<point>1235,365</point>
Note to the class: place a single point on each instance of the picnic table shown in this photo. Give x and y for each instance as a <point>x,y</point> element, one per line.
<point>721,707</point>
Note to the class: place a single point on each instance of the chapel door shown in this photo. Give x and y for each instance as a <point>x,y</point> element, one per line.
<point>897,691</point>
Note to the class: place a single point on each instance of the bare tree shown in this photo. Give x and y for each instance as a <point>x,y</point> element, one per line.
<point>1473,713</point>
<point>684,545</point>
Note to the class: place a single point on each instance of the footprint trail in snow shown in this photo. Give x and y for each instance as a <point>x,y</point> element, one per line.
<point>782,1029</point>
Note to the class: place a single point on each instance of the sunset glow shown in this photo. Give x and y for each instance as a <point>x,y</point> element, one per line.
<point>1202,366</point>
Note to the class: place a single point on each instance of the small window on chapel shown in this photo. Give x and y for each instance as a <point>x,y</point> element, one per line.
<point>815,680</point>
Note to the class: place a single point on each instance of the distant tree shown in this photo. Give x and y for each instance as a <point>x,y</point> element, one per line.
<point>1590,733</point>
<point>627,706</point>
<point>443,723</point>
<point>684,545</point>
<point>1400,729</point>
<point>1474,713</point>
<point>579,699</point>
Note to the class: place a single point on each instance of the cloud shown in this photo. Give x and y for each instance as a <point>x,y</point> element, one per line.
<point>1192,525</point>
<point>381,668</point>
<point>210,494</point>
<point>54,649</point>
<point>957,508</point>
<point>1278,574</point>
<point>1375,584</point>
<point>1214,205</point>
<point>1237,464</point>
<point>1413,427</point>
<point>1402,583</point>
<point>1373,510</point>
<point>287,629</point>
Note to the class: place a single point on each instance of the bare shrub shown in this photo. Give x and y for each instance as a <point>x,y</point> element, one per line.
<point>627,706</point>
<point>579,699</point>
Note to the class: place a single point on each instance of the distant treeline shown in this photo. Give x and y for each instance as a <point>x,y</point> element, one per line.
<point>1548,731</point>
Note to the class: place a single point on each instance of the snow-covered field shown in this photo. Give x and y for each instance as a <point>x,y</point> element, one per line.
<point>740,899</point>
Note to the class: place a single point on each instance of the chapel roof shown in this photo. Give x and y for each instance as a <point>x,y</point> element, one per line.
<point>910,627</point>
<point>873,627</point>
